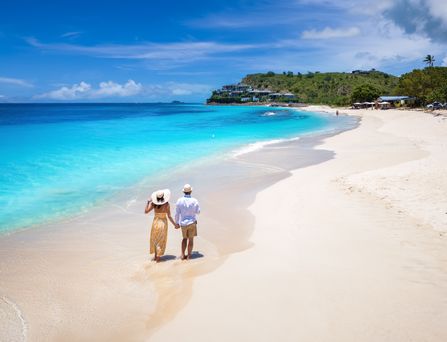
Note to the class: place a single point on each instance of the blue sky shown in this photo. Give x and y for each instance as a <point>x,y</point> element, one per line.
<point>180,50</point>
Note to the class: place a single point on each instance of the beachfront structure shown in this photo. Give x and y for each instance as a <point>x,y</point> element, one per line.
<point>362,105</point>
<point>397,101</point>
<point>257,92</point>
<point>386,102</point>
<point>240,87</point>
<point>383,105</point>
<point>289,95</point>
<point>236,93</point>
<point>275,96</point>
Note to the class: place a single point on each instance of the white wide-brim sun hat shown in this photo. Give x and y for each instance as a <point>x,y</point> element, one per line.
<point>161,197</point>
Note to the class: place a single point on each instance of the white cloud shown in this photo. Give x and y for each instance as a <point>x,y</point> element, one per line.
<point>428,17</point>
<point>265,14</point>
<point>110,89</point>
<point>381,44</point>
<point>181,92</point>
<point>187,88</point>
<point>74,92</point>
<point>438,9</point>
<point>331,33</point>
<point>363,7</point>
<point>70,35</point>
<point>176,51</point>
<point>174,89</point>
<point>391,35</point>
<point>444,61</point>
<point>84,90</point>
<point>15,82</point>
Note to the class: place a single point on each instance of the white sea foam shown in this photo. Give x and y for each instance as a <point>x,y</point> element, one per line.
<point>10,317</point>
<point>131,202</point>
<point>269,114</point>
<point>260,145</point>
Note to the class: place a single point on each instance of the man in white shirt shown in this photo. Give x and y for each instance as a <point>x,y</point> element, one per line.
<point>186,211</point>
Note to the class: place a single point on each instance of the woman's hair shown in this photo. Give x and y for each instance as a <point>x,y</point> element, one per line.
<point>159,200</point>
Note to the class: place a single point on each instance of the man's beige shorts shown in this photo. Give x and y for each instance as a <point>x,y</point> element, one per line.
<point>189,231</point>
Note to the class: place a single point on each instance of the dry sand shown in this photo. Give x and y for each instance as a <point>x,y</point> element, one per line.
<point>352,249</point>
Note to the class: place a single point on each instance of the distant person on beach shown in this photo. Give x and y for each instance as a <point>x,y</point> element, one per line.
<point>186,211</point>
<point>336,112</point>
<point>159,201</point>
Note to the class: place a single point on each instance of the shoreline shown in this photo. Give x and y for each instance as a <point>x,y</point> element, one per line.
<point>351,249</point>
<point>122,259</point>
<point>122,195</point>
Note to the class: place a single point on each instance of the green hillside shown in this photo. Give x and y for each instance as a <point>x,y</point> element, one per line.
<point>331,88</point>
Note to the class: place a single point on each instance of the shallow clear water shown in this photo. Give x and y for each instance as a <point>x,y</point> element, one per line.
<point>59,159</point>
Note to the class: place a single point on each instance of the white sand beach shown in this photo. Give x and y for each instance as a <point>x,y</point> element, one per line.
<point>352,249</point>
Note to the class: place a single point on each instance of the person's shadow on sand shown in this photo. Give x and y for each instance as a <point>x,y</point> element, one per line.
<point>196,255</point>
<point>167,257</point>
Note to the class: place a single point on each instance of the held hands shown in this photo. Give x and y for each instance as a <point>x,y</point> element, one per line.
<point>177,226</point>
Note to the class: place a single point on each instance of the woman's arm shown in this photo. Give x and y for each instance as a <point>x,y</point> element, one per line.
<point>149,207</point>
<point>169,215</point>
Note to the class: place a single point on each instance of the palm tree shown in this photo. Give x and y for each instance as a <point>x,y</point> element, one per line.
<point>429,60</point>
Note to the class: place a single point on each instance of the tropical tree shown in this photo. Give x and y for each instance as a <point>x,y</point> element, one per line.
<point>427,85</point>
<point>429,60</point>
<point>365,92</point>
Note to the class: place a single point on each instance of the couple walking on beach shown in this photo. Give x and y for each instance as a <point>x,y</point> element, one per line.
<point>186,210</point>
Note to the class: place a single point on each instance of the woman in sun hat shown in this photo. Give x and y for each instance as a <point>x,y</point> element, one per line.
<point>159,201</point>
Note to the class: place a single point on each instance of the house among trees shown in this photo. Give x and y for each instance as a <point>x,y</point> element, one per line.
<point>275,96</point>
<point>240,87</point>
<point>398,101</point>
<point>237,93</point>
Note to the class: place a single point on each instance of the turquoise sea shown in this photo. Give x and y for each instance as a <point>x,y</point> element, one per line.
<point>59,159</point>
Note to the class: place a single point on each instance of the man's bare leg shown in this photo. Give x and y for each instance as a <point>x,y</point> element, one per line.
<point>184,241</point>
<point>190,246</point>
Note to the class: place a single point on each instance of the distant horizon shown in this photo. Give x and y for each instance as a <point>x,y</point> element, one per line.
<point>100,103</point>
<point>55,52</point>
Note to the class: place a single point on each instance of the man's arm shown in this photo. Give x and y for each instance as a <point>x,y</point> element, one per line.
<point>177,213</point>
<point>197,208</point>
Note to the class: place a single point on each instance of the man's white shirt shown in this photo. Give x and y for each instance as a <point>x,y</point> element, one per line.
<point>186,210</point>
